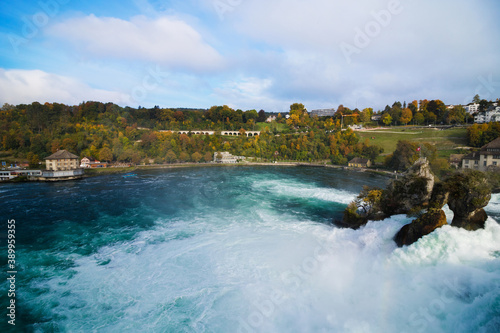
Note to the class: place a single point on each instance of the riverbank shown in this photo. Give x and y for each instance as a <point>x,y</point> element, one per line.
<point>119,170</point>
<point>97,172</point>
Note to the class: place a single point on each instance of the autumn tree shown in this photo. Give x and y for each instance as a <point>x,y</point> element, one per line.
<point>196,157</point>
<point>406,116</point>
<point>170,157</point>
<point>184,157</point>
<point>105,154</point>
<point>33,160</point>
<point>207,157</point>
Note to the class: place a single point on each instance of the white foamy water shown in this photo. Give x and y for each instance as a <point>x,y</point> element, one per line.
<point>295,189</point>
<point>249,268</point>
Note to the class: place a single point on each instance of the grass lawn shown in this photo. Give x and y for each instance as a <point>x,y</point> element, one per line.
<point>261,126</point>
<point>447,141</point>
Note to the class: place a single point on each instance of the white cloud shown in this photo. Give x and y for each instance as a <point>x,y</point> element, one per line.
<point>27,86</point>
<point>248,93</point>
<point>166,41</point>
<point>425,50</point>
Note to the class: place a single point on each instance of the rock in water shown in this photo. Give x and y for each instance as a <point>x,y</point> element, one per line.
<point>469,193</point>
<point>424,225</point>
<point>422,169</point>
<point>412,191</point>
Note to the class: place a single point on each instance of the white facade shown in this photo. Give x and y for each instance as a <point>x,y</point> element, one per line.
<point>226,158</point>
<point>88,163</point>
<point>6,175</point>
<point>471,108</point>
<point>323,112</point>
<point>488,116</point>
<point>61,174</point>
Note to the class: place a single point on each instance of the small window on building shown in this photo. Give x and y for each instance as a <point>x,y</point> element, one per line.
<point>484,163</point>
<point>476,162</point>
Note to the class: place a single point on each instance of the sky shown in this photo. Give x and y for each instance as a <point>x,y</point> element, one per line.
<point>249,54</point>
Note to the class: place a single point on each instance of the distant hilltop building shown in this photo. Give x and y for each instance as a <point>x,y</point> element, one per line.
<point>227,158</point>
<point>492,115</point>
<point>270,119</point>
<point>472,108</point>
<point>487,157</point>
<point>323,112</point>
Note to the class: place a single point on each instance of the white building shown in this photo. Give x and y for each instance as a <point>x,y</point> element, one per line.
<point>491,115</point>
<point>6,175</point>
<point>472,108</point>
<point>271,119</point>
<point>11,174</point>
<point>226,158</point>
<point>323,112</point>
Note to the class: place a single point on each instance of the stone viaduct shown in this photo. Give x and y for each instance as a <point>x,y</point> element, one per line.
<point>230,133</point>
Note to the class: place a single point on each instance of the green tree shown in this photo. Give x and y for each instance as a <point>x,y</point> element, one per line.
<point>476,99</point>
<point>386,119</point>
<point>297,108</point>
<point>262,116</point>
<point>366,115</point>
<point>419,118</point>
<point>404,156</point>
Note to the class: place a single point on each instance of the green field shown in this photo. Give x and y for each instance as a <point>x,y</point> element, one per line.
<point>447,141</point>
<point>261,126</point>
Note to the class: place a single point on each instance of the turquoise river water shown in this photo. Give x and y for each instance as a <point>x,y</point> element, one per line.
<point>237,249</point>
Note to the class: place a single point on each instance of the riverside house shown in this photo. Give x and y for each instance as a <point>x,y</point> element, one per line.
<point>62,165</point>
<point>488,157</point>
<point>359,162</point>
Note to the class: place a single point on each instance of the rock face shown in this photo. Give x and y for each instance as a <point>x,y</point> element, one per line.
<point>410,192</point>
<point>469,193</point>
<point>424,225</point>
<point>466,193</point>
<point>440,196</point>
<point>422,169</point>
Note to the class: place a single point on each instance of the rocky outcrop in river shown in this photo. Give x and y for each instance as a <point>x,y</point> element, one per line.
<point>466,192</point>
